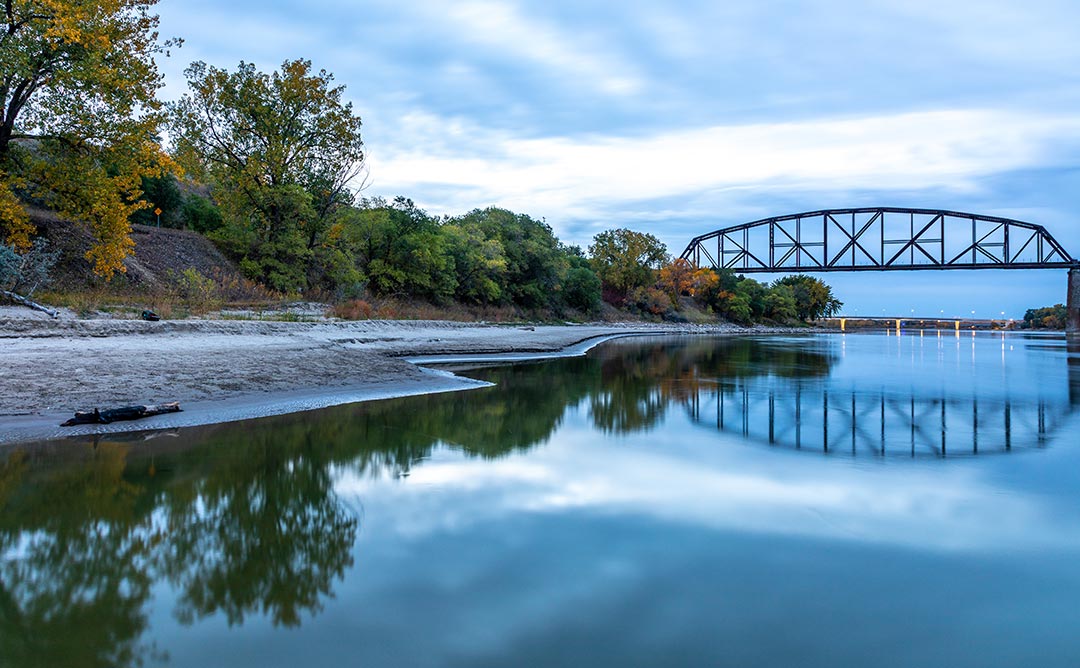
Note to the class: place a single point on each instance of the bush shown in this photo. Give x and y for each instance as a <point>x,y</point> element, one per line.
<point>650,300</point>
<point>160,192</point>
<point>355,309</point>
<point>199,293</point>
<point>25,273</point>
<point>199,214</point>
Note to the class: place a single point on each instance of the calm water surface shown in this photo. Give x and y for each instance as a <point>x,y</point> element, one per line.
<point>859,500</point>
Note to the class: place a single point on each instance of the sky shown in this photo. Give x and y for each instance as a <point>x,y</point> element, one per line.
<point>681,118</point>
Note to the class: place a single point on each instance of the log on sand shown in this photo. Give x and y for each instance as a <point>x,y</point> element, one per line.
<point>23,301</point>
<point>117,414</point>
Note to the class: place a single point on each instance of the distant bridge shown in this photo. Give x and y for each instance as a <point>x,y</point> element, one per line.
<point>885,239</point>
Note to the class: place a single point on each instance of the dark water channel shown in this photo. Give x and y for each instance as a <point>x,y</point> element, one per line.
<point>859,500</point>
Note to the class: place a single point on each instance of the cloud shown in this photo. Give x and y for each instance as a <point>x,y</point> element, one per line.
<point>502,27</point>
<point>561,177</point>
<point>947,510</point>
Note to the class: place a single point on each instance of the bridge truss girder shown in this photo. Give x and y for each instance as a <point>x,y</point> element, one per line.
<point>878,239</point>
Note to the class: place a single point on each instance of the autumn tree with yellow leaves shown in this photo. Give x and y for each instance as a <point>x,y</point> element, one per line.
<point>79,117</point>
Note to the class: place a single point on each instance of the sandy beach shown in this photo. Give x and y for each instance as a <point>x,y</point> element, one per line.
<point>224,370</point>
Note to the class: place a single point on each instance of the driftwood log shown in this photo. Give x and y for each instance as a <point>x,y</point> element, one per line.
<point>118,414</point>
<point>19,299</point>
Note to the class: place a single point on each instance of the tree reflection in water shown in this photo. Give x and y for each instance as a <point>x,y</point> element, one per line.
<point>243,519</point>
<point>75,574</point>
<point>240,522</point>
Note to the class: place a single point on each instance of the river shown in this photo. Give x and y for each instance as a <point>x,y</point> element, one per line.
<point>819,500</point>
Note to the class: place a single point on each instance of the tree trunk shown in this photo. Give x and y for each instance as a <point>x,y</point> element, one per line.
<point>19,299</point>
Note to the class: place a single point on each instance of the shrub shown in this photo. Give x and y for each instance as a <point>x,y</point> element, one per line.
<point>199,214</point>
<point>199,293</point>
<point>25,273</point>
<point>354,309</point>
<point>650,300</point>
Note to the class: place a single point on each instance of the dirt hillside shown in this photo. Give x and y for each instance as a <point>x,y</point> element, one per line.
<point>158,251</point>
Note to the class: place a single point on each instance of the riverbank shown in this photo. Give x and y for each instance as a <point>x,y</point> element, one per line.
<point>222,371</point>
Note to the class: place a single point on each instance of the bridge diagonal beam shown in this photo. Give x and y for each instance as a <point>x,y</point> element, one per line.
<point>853,240</point>
<point>977,245</point>
<point>1027,243</point>
<point>795,247</point>
<point>914,243</point>
<point>743,253</point>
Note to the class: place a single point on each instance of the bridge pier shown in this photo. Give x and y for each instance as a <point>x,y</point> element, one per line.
<point>1072,307</point>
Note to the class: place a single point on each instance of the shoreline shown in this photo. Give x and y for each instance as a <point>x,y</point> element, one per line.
<point>225,371</point>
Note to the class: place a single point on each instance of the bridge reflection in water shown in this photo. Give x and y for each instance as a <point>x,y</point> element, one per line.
<point>808,414</point>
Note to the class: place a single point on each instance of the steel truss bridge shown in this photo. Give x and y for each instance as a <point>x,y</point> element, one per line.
<point>878,239</point>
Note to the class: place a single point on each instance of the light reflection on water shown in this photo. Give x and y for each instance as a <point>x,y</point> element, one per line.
<point>680,501</point>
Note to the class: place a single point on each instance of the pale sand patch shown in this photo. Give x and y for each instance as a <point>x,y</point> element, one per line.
<point>229,370</point>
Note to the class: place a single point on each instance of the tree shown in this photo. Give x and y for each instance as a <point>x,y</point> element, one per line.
<point>535,263</point>
<point>401,250</point>
<point>479,264</point>
<point>582,289</point>
<point>753,293</point>
<point>161,193</point>
<point>78,116</point>
<point>200,214</point>
<point>813,298</point>
<point>625,259</point>
<point>677,277</point>
<point>780,303</point>
<point>280,152</point>
<point>1047,317</point>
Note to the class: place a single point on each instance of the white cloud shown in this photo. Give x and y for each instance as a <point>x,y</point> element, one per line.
<point>563,177</point>
<point>502,27</point>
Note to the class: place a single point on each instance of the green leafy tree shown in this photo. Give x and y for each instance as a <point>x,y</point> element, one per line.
<point>479,264</point>
<point>78,116</point>
<point>813,298</point>
<point>1047,317</point>
<point>625,259</point>
<point>780,303</point>
<point>753,294</point>
<point>280,152</point>
<point>200,214</point>
<point>161,193</point>
<point>400,249</point>
<point>582,289</point>
<point>736,307</point>
<point>535,261</point>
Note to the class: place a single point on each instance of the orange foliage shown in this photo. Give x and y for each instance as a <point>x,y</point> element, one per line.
<point>677,277</point>
<point>702,281</point>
